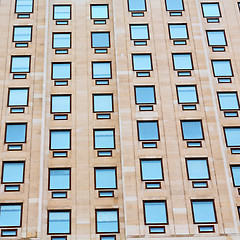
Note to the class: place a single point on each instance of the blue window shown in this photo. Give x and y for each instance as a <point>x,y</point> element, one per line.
<point>107,221</point>
<point>60,139</point>
<point>105,178</point>
<point>236,175</point>
<point>151,169</point>
<point>139,32</point>
<point>22,34</point>
<point>211,10</point>
<point>174,5</point>
<point>148,130</point>
<point>61,71</point>
<point>20,64</point>
<point>100,39</point>
<point>142,62</point>
<point>24,6</point>
<point>61,40</point>
<point>228,100</point>
<point>145,94</point>
<point>16,133</point>
<point>13,172</point>
<point>10,215</point>
<point>104,139</point>
<point>59,179</point>
<point>182,61</point>
<point>101,70</point>
<point>216,38</point>
<point>192,130</point>
<point>62,12</point>
<point>61,104</point>
<point>197,169</point>
<point>99,11</point>
<point>178,31</point>
<point>187,94</point>
<point>232,135</point>
<point>18,97</point>
<point>102,103</point>
<point>222,68</point>
<point>136,5</point>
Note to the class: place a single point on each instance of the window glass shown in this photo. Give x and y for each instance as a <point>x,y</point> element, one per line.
<point>139,32</point>
<point>151,169</point>
<point>155,212</point>
<point>197,169</point>
<point>10,215</point>
<point>13,172</point>
<point>136,5</point>
<point>236,175</point>
<point>232,136</point>
<point>24,6</point>
<point>222,68</point>
<point>99,11</point>
<point>107,238</point>
<point>145,94</point>
<point>192,130</point>
<point>61,104</point>
<point>16,133</point>
<point>59,179</point>
<point>178,31</point>
<point>20,64</point>
<point>101,69</point>
<point>58,222</point>
<point>61,40</point>
<point>187,94</point>
<point>22,34</point>
<point>148,130</point>
<point>211,10</point>
<point>18,97</point>
<point>62,12</point>
<point>61,70</point>
<point>228,101</point>
<point>182,61</point>
<point>100,39</point>
<point>60,139</point>
<point>104,139</point>
<point>174,5</point>
<point>102,103</point>
<point>105,178</point>
<point>216,38</point>
<point>203,211</point>
<point>142,62</point>
<point>107,221</point>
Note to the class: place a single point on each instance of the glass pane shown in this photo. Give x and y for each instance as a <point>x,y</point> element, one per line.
<point>155,212</point>
<point>24,6</point>
<point>104,139</point>
<point>173,5</point>
<point>232,136</point>
<point>228,101</point>
<point>20,64</point>
<point>16,133</point>
<point>148,131</point>
<point>107,238</point>
<point>10,215</point>
<point>99,11</point>
<point>182,61</point>
<point>145,95</point>
<point>137,5</point>
<point>139,32</point>
<point>222,68</point>
<point>18,97</point>
<point>61,71</point>
<point>197,169</point>
<point>105,178</point>
<point>59,222</point>
<point>22,34</point>
<point>59,179</point>
<point>187,94</point>
<point>236,175</point>
<point>62,12</point>
<point>61,104</point>
<point>203,212</point>
<point>101,70</point>
<point>151,170</point>
<point>142,62</point>
<point>102,103</point>
<point>216,38</point>
<point>178,31</point>
<point>61,40</point>
<point>100,39</point>
<point>13,172</point>
<point>192,130</point>
<point>60,139</point>
<point>107,221</point>
<point>210,10</point>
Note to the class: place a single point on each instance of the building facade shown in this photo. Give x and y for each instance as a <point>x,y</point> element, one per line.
<point>119,119</point>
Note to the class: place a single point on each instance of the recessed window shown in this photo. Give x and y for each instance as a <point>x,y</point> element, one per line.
<point>174,5</point>
<point>228,100</point>
<point>22,33</point>
<point>107,221</point>
<point>222,68</point>
<point>187,94</point>
<point>137,5</point>
<point>61,71</point>
<point>236,175</point>
<point>105,178</point>
<point>61,12</point>
<point>151,169</point>
<point>100,39</point>
<point>155,212</point>
<point>142,62</point>
<point>60,139</point>
<point>18,97</point>
<point>10,215</point>
<point>20,64</point>
<point>148,131</point>
<point>178,31</point>
<point>104,139</point>
<point>59,222</point>
<point>232,135</point>
<point>24,6</point>
<point>102,103</point>
<point>216,38</point>
<point>192,129</point>
<point>139,32</point>
<point>203,211</point>
<point>197,169</point>
<point>16,133</point>
<point>13,172</point>
<point>145,94</point>
<point>59,179</point>
<point>62,40</point>
<point>99,11</point>
<point>101,70</point>
<point>182,61</point>
<point>60,103</point>
<point>211,10</point>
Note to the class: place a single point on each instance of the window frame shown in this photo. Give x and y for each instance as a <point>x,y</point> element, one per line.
<point>104,129</point>
<point>217,30</point>
<point>151,140</point>
<point>15,8</point>
<point>99,94</point>
<point>142,70</point>
<point>145,10</point>
<point>186,53</point>
<point>135,94</point>
<point>174,10</point>
<point>64,5</point>
<point>19,56</point>
<point>15,123</point>
<point>52,63</point>
<point>220,60</point>
<point>99,32</point>
<point>95,179</point>
<point>233,180</point>
<point>52,95</point>
<point>197,102</point>
<point>99,5</point>
<point>192,120</point>
<point>16,88</point>
<point>94,78</point>
<point>60,168</point>
<point>225,136</point>
<point>58,33</point>
<point>60,130</point>
<point>151,159</point>
<point>211,3</point>
<point>22,26</point>
<point>225,92</point>
<point>185,24</point>
<point>139,24</point>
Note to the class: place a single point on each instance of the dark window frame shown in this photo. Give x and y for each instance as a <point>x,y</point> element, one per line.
<point>178,38</point>
<point>15,8</point>
<point>135,94</point>
<point>137,24</point>
<point>98,32</point>
<point>15,123</point>
<point>64,5</point>
<point>16,88</point>
<point>52,95</point>
<point>19,56</point>
<point>233,181</point>
<point>193,85</point>
<point>188,69</point>
<point>60,130</point>
<point>92,63</point>
<point>211,3</point>
<point>17,26</point>
<point>56,33</point>
<point>98,5</point>
<point>95,179</point>
<point>60,168</point>
<point>142,70</point>
<point>157,129</point>
<point>61,78</point>
<point>99,94</point>
<point>145,10</point>
<point>227,92</point>
<point>192,120</point>
<point>104,129</point>
<point>175,10</point>
<point>217,30</point>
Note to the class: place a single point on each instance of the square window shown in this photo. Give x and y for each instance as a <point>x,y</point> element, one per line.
<point>24,6</point>
<point>203,211</point>
<point>155,212</point>
<point>61,12</point>
<point>99,11</point>
<point>10,215</point>
<point>174,5</point>
<point>102,103</point>
<point>211,10</point>
<point>61,71</point>
<point>142,62</point>
<point>100,39</point>
<point>187,94</point>
<point>62,40</point>
<point>60,139</point>
<point>139,32</point>
<point>18,97</point>
<point>137,5</point>
<point>236,175</point>
<point>228,100</point>
<point>148,131</point>
<point>16,133</point>
<point>59,179</point>
<point>101,70</point>
<point>182,61</point>
<point>222,68</point>
<point>232,135</point>
<point>13,172</point>
<point>178,31</point>
<point>197,169</point>
<point>22,33</point>
<point>59,222</point>
<point>151,169</point>
<point>192,129</point>
<point>104,139</point>
<point>60,103</point>
<point>216,38</point>
<point>20,64</point>
<point>107,221</point>
<point>105,178</point>
<point>145,94</point>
